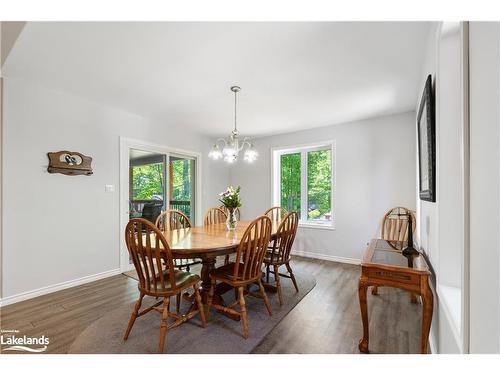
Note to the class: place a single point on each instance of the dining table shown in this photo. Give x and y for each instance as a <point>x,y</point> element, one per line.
<point>207,242</point>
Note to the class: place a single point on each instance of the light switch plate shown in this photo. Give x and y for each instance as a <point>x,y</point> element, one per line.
<point>109,188</point>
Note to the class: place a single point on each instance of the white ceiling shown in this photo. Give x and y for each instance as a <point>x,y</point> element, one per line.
<point>293,75</point>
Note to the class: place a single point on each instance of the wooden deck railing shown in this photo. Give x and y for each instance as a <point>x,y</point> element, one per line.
<point>137,205</point>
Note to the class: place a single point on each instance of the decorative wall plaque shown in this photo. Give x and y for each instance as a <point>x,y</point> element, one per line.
<point>69,163</point>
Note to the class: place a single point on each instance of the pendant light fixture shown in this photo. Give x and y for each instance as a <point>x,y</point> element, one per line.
<point>229,149</point>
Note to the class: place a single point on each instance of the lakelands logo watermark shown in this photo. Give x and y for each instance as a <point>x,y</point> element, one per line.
<point>11,340</point>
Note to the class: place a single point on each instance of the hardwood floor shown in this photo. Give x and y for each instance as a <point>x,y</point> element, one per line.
<point>327,320</point>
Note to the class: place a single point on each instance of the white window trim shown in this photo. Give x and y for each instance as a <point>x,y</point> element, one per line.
<point>276,152</point>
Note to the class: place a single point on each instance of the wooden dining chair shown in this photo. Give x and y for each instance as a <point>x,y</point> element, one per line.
<point>395,227</point>
<point>276,213</point>
<point>158,277</point>
<point>278,254</point>
<point>246,270</point>
<point>214,215</point>
<point>395,224</point>
<point>174,219</point>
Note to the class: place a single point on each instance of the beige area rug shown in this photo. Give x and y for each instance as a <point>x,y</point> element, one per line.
<point>222,334</point>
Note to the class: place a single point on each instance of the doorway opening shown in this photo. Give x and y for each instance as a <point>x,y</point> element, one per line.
<point>155,179</point>
<point>159,182</point>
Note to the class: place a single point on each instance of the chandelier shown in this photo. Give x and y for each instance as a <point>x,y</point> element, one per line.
<point>229,148</point>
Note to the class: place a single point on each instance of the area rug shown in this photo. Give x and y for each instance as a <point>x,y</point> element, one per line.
<point>222,335</point>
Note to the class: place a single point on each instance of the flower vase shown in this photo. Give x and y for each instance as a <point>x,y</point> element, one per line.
<point>231,220</point>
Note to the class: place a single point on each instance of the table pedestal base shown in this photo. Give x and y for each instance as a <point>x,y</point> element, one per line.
<point>207,265</point>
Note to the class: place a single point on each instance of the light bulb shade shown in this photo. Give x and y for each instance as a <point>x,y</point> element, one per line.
<point>230,159</point>
<point>229,151</point>
<point>215,153</point>
<point>251,154</point>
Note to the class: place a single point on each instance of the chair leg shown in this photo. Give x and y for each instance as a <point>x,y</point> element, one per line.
<point>267,273</point>
<point>244,321</point>
<point>133,317</point>
<point>292,276</point>
<point>264,297</point>
<point>197,297</point>
<point>375,291</point>
<point>210,297</point>
<point>278,284</point>
<point>226,259</point>
<point>164,323</point>
<point>178,302</point>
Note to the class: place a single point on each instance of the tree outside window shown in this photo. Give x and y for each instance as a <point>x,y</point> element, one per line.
<point>304,179</point>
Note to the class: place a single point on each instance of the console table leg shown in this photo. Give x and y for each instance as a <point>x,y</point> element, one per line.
<point>427,308</point>
<point>362,289</point>
<point>413,298</point>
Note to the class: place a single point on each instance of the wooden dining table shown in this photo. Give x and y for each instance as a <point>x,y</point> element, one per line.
<point>207,242</point>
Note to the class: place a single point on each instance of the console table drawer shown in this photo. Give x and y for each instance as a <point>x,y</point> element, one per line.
<point>391,275</point>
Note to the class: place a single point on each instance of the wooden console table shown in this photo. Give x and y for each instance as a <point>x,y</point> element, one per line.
<point>384,265</point>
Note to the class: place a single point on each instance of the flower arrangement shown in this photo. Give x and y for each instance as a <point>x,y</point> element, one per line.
<point>231,201</point>
<point>231,197</point>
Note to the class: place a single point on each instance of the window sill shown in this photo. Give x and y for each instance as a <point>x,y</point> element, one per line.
<point>317,226</point>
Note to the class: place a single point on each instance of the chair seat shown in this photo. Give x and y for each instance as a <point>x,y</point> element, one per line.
<point>276,259</point>
<point>226,273</point>
<point>183,280</point>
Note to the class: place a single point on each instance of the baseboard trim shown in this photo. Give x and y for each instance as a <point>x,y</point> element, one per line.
<point>56,287</point>
<point>126,269</point>
<point>333,258</point>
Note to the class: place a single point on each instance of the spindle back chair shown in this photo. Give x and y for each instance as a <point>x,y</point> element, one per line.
<point>276,213</point>
<point>214,215</point>
<point>395,224</point>
<point>278,254</point>
<point>154,264</point>
<point>172,219</point>
<point>246,270</point>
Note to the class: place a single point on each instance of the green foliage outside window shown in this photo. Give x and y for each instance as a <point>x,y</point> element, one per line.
<point>147,181</point>
<point>290,182</point>
<point>319,184</point>
<point>181,180</point>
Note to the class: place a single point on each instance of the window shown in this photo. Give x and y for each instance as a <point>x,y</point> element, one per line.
<point>303,182</point>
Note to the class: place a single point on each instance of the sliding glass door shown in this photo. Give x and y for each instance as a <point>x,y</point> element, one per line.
<point>160,182</point>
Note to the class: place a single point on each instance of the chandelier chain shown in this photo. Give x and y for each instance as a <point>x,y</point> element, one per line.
<point>235,95</point>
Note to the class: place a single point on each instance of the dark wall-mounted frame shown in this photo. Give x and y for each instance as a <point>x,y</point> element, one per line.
<point>426,130</point>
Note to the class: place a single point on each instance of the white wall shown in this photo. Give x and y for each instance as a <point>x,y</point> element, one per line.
<point>439,218</point>
<point>441,224</point>
<point>375,164</point>
<point>60,228</point>
<point>427,228</point>
<point>484,39</point>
